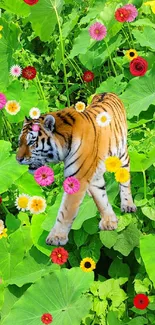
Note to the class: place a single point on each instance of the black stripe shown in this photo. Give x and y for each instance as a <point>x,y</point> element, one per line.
<point>63,118</point>
<point>71,117</point>
<point>76,149</point>
<point>100,188</point>
<point>60,135</point>
<point>123,185</point>
<point>73,162</point>
<point>85,114</point>
<point>94,126</point>
<point>48,142</point>
<point>78,168</point>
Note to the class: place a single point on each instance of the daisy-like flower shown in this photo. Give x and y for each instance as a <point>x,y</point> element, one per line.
<point>87,264</point>
<point>46,318</point>
<point>1,27</point>
<point>80,106</point>
<point>35,127</point>
<point>22,202</point>
<point>151,4</point>
<point>3,233</point>
<point>138,66</point>
<point>121,15</point>
<point>97,31</point>
<point>29,73</point>
<point>12,107</point>
<point>141,301</point>
<point>1,226</point>
<point>131,54</point>
<point>103,119</point>
<point>44,176</point>
<point>59,255</point>
<point>34,112</point>
<point>112,164</point>
<point>122,175</point>
<point>88,76</point>
<point>36,204</point>
<point>71,185</point>
<point>3,100</point>
<point>132,11</point>
<point>15,71</point>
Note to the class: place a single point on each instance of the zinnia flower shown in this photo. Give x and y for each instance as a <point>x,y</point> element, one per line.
<point>22,202</point>
<point>31,2</point>
<point>151,4</point>
<point>121,15</point>
<point>1,226</point>
<point>3,233</point>
<point>47,318</point>
<point>12,107</point>
<point>3,100</point>
<point>138,66</point>
<point>80,106</point>
<point>122,175</point>
<point>36,204</point>
<point>112,164</point>
<point>87,264</point>
<point>35,127</point>
<point>44,176</point>
<point>131,54</point>
<point>141,301</point>
<point>71,185</point>
<point>29,73</point>
<point>1,27</point>
<point>15,71</point>
<point>103,119</point>
<point>132,11</point>
<point>34,113</point>
<point>88,76</point>
<point>97,31</point>
<point>59,255</point>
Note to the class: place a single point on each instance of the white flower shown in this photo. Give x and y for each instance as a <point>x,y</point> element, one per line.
<point>37,204</point>
<point>80,106</point>
<point>1,226</point>
<point>12,107</point>
<point>22,202</point>
<point>15,71</point>
<point>103,119</point>
<point>34,113</point>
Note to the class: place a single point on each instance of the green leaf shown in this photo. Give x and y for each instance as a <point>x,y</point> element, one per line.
<point>134,97</point>
<point>112,319</point>
<point>68,308</point>
<point>50,219</point>
<point>91,226</point>
<point>93,12</point>
<point>26,184</point>
<point>147,249</point>
<point>149,212</point>
<point>118,269</point>
<point>92,250</point>
<point>87,211</point>
<point>143,22</point>
<point>80,237</point>
<point>70,24</point>
<point>138,321</point>
<point>141,162</point>
<point>112,84</point>
<point>127,240</point>
<point>12,223</point>
<point>124,221</point>
<point>146,37</point>
<point>108,238</point>
<point>110,289</point>
<point>38,234</point>
<point>15,6</point>
<point>81,44</point>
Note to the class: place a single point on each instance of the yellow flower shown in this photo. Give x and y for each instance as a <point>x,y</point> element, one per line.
<point>12,107</point>
<point>34,112</point>
<point>80,106</point>
<point>1,226</point>
<point>1,27</point>
<point>122,175</point>
<point>87,264</point>
<point>131,54</point>
<point>22,202</point>
<point>112,164</point>
<point>37,205</point>
<point>3,233</point>
<point>151,4</point>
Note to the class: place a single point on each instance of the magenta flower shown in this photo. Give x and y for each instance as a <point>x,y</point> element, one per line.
<point>97,31</point>
<point>35,127</point>
<point>3,100</point>
<point>71,185</point>
<point>15,71</point>
<point>132,11</point>
<point>44,176</point>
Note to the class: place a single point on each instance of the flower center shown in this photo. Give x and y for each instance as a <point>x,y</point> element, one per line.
<point>59,255</point>
<point>12,107</point>
<point>87,265</point>
<point>141,301</point>
<point>71,185</point>
<point>139,67</point>
<point>22,202</point>
<point>34,113</point>
<point>132,54</point>
<point>103,119</point>
<point>97,31</point>
<point>44,176</point>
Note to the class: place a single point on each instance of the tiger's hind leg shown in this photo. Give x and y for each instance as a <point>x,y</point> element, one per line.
<point>108,218</point>
<point>127,204</point>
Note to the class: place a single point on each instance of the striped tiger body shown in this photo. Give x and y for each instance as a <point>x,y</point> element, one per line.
<point>83,145</point>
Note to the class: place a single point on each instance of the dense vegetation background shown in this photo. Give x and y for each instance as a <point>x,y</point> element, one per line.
<point>53,37</point>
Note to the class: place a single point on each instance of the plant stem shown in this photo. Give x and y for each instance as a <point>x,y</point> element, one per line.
<point>126,36</point>
<point>144,178</point>
<point>4,208</point>
<point>62,53</point>
<point>111,58</point>
<point>132,41</point>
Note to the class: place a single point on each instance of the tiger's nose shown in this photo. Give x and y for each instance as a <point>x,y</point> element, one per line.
<point>19,159</point>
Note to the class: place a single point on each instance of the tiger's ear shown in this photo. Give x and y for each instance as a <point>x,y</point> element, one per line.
<point>27,119</point>
<point>49,123</point>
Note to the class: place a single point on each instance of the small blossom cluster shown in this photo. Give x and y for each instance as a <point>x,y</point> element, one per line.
<point>35,204</point>
<point>113,164</point>
<point>127,13</point>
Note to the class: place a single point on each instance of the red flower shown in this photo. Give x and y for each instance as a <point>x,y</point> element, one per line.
<point>141,301</point>
<point>88,76</point>
<point>138,66</point>
<point>29,73</point>
<point>0,200</point>
<point>31,2</point>
<point>121,15</point>
<point>46,318</point>
<point>59,255</point>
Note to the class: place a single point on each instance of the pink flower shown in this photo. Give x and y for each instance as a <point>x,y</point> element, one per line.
<point>71,185</point>
<point>15,71</point>
<point>3,100</point>
<point>133,12</point>
<point>98,31</point>
<point>44,176</point>
<point>35,127</point>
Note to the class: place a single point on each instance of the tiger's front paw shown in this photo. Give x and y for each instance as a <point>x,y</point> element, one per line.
<point>57,237</point>
<point>128,207</point>
<point>108,223</point>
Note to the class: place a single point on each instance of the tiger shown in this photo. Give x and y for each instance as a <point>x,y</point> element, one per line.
<point>76,139</point>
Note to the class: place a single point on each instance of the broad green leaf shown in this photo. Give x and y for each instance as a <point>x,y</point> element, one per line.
<point>92,250</point>
<point>12,223</point>
<point>147,249</point>
<point>93,12</point>
<point>118,269</point>
<point>141,162</point>
<point>44,296</point>
<point>38,234</point>
<point>80,237</point>
<point>15,6</point>
<point>127,240</point>
<point>124,221</point>
<point>108,238</point>
<point>110,289</point>
<point>138,321</point>
<point>26,184</point>
<point>81,44</point>
<point>112,319</point>
<point>91,226</point>
<point>112,84</point>
<point>50,219</point>
<point>143,22</point>
<point>87,211</point>
<point>135,98</point>
<point>149,212</point>
<point>70,23</point>
<point>146,37</point>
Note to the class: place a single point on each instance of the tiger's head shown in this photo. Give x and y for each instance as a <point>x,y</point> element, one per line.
<point>37,148</point>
